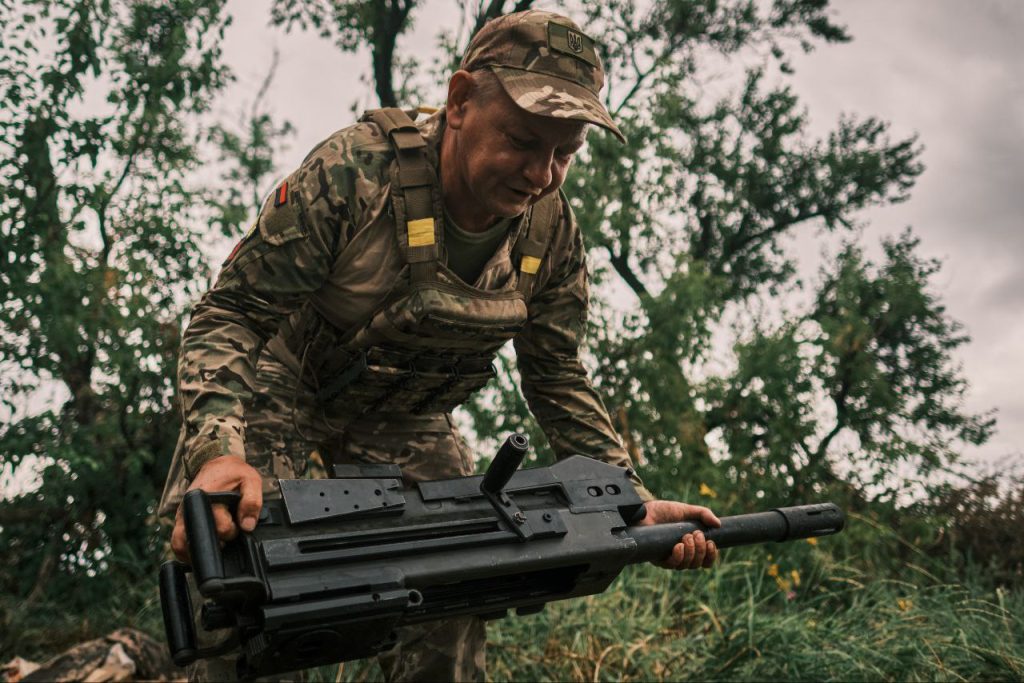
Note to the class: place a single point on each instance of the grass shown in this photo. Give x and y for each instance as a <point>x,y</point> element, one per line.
<point>799,616</point>
<point>738,623</point>
<point>749,620</point>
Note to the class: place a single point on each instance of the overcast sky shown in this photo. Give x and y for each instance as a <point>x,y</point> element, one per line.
<point>951,71</point>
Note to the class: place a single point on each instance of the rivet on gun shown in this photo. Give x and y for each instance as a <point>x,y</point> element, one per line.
<point>594,491</point>
<point>547,517</point>
<point>519,517</point>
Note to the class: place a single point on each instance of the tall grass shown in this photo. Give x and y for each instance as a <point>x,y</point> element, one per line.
<point>797,616</point>
<point>737,623</point>
<point>792,612</point>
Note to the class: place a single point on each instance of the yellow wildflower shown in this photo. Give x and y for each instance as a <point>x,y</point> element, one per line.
<point>773,570</point>
<point>904,604</point>
<point>707,491</point>
<point>795,575</point>
<point>812,540</point>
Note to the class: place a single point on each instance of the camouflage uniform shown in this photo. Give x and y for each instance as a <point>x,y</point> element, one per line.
<point>325,255</point>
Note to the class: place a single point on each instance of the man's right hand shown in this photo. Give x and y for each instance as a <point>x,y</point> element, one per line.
<point>226,473</point>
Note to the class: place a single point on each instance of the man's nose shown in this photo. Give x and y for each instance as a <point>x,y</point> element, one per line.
<point>538,171</point>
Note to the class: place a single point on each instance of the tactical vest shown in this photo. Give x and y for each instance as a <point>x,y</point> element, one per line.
<point>433,340</point>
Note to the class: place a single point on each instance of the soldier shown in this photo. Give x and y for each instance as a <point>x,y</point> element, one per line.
<point>379,281</point>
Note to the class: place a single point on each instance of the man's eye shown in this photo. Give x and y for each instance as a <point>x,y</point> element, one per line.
<point>519,143</point>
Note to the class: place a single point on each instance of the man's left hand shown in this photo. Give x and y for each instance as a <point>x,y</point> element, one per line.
<point>693,551</point>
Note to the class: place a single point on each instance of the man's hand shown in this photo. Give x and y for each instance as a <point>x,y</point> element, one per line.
<point>693,551</point>
<point>226,473</point>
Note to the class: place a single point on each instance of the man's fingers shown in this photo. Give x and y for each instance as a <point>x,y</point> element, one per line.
<point>700,550</point>
<point>674,558</point>
<point>711,556</point>
<point>178,544</point>
<point>692,552</point>
<point>225,525</point>
<point>703,515</point>
<point>252,500</point>
<point>688,551</point>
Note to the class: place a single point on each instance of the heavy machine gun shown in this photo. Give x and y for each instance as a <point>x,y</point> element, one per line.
<point>335,566</point>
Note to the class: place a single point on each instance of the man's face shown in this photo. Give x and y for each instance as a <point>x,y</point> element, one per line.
<point>508,158</point>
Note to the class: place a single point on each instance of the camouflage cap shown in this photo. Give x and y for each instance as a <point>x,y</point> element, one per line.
<point>546,64</point>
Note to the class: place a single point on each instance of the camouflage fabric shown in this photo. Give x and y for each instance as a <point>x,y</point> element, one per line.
<point>126,654</point>
<point>325,255</point>
<point>546,64</point>
<point>426,448</point>
<point>333,245</point>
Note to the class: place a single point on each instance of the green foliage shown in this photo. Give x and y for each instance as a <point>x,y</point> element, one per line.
<point>711,369</point>
<point>737,623</point>
<point>247,156</point>
<point>355,24</point>
<point>979,523</point>
<point>731,383</point>
<point>802,615</point>
<point>876,349</point>
<point>96,226</point>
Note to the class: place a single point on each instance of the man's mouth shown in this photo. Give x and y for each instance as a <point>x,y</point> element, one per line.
<point>522,194</point>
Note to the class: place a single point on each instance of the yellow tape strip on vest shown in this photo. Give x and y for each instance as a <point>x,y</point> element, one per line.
<point>530,264</point>
<point>421,232</point>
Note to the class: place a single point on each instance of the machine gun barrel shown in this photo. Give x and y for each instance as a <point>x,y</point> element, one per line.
<point>654,543</point>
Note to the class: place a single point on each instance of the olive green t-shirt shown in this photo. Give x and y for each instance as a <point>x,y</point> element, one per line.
<point>469,252</point>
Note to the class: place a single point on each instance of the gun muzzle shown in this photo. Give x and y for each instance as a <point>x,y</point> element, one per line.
<point>654,543</point>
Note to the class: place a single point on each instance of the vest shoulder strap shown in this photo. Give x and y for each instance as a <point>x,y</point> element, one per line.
<point>533,241</point>
<point>415,192</point>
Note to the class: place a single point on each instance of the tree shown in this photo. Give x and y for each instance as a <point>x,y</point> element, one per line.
<point>688,224</point>
<point>247,159</point>
<point>100,102</point>
<point>876,351</point>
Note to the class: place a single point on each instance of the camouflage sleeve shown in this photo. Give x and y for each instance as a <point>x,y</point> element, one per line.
<point>283,259</point>
<point>554,381</point>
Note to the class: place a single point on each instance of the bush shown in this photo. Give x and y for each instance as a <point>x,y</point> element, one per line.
<point>981,527</point>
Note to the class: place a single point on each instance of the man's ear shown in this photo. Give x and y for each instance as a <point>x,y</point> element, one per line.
<point>460,90</point>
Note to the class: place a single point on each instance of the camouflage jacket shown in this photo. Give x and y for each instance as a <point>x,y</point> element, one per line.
<point>333,242</point>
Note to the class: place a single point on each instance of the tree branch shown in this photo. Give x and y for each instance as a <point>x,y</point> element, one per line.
<point>817,458</point>
<point>621,265</point>
<point>494,10</point>
<point>42,579</point>
<point>389,20</point>
<point>642,76</point>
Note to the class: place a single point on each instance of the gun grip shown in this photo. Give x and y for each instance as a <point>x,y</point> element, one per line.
<point>203,544</point>
<point>177,610</point>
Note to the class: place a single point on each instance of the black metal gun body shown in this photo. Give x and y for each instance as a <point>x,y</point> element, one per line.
<point>337,565</point>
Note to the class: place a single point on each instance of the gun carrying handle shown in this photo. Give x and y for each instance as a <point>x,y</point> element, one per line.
<point>506,461</point>
<point>176,606</point>
<point>203,544</point>
<point>179,623</point>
